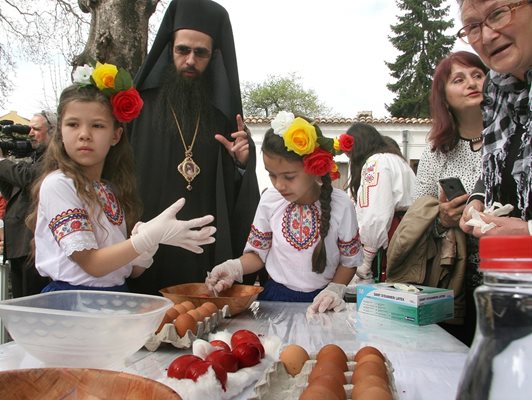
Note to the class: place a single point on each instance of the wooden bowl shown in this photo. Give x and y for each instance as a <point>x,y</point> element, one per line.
<point>237,297</point>
<point>80,383</point>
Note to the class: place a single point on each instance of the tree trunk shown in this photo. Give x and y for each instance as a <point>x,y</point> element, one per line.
<point>118,32</point>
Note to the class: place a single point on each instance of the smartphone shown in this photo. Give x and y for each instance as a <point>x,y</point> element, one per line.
<point>452,187</point>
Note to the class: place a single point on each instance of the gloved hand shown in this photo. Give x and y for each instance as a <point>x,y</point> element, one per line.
<point>144,260</point>
<point>330,298</point>
<point>166,229</point>
<point>363,274</point>
<point>224,275</point>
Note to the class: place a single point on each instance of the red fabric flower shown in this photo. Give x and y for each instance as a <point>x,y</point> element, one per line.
<point>126,104</point>
<point>319,162</point>
<point>346,142</point>
<point>334,175</point>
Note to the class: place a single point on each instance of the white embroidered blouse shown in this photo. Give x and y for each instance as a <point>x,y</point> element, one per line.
<point>65,226</point>
<point>387,185</point>
<point>285,234</point>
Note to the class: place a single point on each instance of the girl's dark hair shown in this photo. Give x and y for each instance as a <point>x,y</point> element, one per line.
<point>368,141</point>
<point>117,171</point>
<point>273,144</point>
<point>444,135</point>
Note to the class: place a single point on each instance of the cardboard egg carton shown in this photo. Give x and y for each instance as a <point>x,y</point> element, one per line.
<point>168,333</point>
<point>277,384</point>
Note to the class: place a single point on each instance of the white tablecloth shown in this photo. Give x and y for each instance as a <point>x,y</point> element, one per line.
<point>427,361</point>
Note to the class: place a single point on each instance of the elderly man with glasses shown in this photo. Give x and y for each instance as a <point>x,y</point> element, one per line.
<point>16,179</point>
<point>190,140</point>
<point>500,32</point>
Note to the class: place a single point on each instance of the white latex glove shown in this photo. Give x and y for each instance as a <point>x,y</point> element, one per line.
<point>224,275</point>
<point>363,274</point>
<point>166,229</point>
<point>330,298</point>
<point>144,260</point>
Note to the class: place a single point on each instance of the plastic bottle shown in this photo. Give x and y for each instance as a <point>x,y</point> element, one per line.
<point>499,363</point>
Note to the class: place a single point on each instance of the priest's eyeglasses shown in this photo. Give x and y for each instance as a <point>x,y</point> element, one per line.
<point>497,19</point>
<point>200,52</point>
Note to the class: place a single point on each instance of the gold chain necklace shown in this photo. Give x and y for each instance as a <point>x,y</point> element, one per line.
<point>188,168</point>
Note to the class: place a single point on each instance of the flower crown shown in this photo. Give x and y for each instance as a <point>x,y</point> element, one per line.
<point>306,140</point>
<point>115,83</point>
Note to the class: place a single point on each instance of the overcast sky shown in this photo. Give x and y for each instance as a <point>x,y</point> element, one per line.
<point>338,48</point>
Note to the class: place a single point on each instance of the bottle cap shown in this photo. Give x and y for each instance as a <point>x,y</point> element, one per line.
<point>506,253</point>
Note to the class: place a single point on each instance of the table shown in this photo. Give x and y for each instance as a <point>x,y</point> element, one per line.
<point>427,361</point>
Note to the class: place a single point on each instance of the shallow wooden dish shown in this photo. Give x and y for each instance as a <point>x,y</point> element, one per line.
<point>238,297</point>
<point>80,383</point>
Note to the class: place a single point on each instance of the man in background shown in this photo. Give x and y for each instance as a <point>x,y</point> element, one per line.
<point>16,179</point>
<point>190,140</point>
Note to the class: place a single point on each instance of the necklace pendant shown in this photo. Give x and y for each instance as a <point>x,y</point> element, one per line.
<point>188,169</point>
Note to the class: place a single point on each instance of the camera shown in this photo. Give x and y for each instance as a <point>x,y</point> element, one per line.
<point>12,139</point>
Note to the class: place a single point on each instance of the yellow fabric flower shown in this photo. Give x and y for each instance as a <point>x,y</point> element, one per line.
<point>104,76</point>
<point>334,167</point>
<point>336,144</point>
<point>301,137</point>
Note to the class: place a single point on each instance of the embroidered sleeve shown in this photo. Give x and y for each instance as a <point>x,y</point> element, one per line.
<point>259,240</point>
<point>261,235</point>
<point>350,247</point>
<point>66,215</point>
<point>348,241</point>
<point>68,222</point>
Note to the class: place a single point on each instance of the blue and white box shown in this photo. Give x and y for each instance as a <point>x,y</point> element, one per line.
<point>419,305</point>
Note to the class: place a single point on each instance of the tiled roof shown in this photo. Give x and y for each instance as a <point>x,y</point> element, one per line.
<point>341,120</point>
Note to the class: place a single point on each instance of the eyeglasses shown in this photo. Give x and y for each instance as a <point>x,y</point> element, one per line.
<point>200,52</point>
<point>497,19</point>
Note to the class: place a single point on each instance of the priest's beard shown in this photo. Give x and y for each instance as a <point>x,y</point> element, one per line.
<point>189,99</point>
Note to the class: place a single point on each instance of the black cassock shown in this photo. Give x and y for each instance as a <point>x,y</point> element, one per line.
<point>220,189</point>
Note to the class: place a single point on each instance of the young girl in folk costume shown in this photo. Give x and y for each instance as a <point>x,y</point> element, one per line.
<point>86,200</point>
<point>382,184</point>
<point>304,231</point>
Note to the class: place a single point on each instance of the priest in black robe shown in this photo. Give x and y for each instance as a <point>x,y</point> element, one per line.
<point>191,95</point>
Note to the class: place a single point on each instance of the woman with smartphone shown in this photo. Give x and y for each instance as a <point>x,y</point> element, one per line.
<point>447,171</point>
<point>454,142</point>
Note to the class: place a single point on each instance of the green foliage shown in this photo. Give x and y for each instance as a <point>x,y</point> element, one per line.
<point>420,38</point>
<point>279,93</point>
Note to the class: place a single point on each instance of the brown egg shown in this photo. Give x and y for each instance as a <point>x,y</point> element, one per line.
<point>371,357</point>
<point>185,322</point>
<point>327,368</point>
<point>196,314</point>
<point>368,350</point>
<point>374,393</point>
<point>331,348</point>
<point>318,392</point>
<point>172,313</point>
<point>181,309</point>
<point>188,305</point>
<point>166,320</point>
<point>367,382</point>
<point>368,368</point>
<point>204,312</point>
<point>331,384</point>
<point>209,305</point>
<point>334,353</point>
<point>293,358</point>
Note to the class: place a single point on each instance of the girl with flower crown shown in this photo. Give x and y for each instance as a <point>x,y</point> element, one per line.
<point>382,184</point>
<point>304,232</point>
<point>85,200</point>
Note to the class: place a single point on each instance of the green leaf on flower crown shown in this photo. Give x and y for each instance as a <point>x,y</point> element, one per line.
<point>326,143</point>
<point>123,80</point>
<point>109,92</point>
